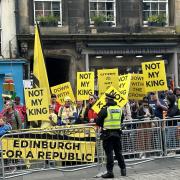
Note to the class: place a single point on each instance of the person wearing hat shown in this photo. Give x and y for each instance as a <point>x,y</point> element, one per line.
<point>67,112</point>
<point>109,120</point>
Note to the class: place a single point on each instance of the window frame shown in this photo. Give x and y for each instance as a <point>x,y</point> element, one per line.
<point>106,1</point>
<point>157,1</point>
<point>60,10</point>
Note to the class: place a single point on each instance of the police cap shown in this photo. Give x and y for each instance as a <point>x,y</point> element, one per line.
<point>110,96</point>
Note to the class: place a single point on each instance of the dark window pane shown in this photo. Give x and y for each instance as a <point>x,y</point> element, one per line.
<point>162,6</point>
<point>101,6</point>
<point>56,14</point>
<point>154,12</point>
<point>38,13</point>
<point>55,6</point>
<point>47,13</point>
<point>93,13</point>
<point>154,6</point>
<point>93,6</point>
<point>146,14</point>
<point>146,6</point>
<point>38,5</point>
<point>109,6</point>
<point>110,16</point>
<point>47,5</point>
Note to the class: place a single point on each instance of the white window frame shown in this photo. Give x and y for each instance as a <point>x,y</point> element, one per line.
<point>158,1</point>
<point>60,3</point>
<point>114,6</point>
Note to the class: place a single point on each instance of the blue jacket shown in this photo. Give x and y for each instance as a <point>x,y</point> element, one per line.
<point>5,128</point>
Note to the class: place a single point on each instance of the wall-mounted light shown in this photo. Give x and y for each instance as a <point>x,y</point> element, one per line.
<point>139,56</point>
<point>119,56</point>
<point>98,57</point>
<point>158,55</point>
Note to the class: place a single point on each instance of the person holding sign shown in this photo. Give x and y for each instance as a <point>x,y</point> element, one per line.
<point>90,115</point>
<point>52,121</point>
<point>67,112</point>
<point>56,105</point>
<point>109,119</point>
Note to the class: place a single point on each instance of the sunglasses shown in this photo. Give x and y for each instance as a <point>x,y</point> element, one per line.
<point>91,99</point>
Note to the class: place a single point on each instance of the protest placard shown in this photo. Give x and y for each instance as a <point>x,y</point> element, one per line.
<point>121,101</point>
<point>137,88</point>
<point>63,90</point>
<point>37,104</point>
<point>106,79</point>
<point>85,85</point>
<point>154,76</point>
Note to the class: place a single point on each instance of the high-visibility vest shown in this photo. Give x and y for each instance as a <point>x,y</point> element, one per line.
<point>113,119</point>
<point>179,103</point>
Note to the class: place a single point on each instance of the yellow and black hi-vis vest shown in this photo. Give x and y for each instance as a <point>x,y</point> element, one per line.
<point>113,119</point>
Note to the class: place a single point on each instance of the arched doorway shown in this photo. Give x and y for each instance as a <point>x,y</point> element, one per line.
<point>57,70</point>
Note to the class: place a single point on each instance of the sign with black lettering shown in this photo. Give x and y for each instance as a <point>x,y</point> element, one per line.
<point>63,90</point>
<point>85,85</point>
<point>37,104</point>
<point>137,88</point>
<point>106,79</point>
<point>154,76</point>
<point>51,149</point>
<point>119,98</point>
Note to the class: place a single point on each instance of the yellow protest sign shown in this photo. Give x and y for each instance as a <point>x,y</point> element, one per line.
<point>124,83</point>
<point>106,79</point>
<point>85,85</point>
<point>63,90</point>
<point>137,88</point>
<point>51,149</point>
<point>37,104</point>
<point>154,76</point>
<point>121,101</point>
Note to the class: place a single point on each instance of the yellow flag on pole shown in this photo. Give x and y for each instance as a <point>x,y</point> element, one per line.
<point>40,77</point>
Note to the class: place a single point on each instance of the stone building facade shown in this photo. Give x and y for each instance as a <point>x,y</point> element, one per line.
<point>75,41</point>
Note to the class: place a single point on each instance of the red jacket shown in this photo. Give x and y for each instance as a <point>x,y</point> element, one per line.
<point>56,107</point>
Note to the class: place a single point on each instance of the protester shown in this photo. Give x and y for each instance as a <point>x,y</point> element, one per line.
<point>21,110</point>
<point>67,112</point>
<point>55,104</point>
<point>90,115</point>
<point>52,121</point>
<point>127,112</point>
<point>158,105</point>
<point>11,116</point>
<point>4,127</point>
<point>79,112</point>
<point>134,108</point>
<point>109,119</point>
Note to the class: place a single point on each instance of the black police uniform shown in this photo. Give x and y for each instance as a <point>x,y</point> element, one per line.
<point>111,141</point>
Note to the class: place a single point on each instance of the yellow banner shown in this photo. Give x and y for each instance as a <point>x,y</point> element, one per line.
<point>121,101</point>
<point>37,104</point>
<point>137,88</point>
<point>85,85</point>
<point>43,149</point>
<point>63,90</point>
<point>106,79</point>
<point>154,76</point>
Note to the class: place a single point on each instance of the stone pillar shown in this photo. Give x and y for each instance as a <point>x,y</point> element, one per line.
<point>87,62</point>
<point>23,16</point>
<point>177,15</point>
<point>175,69</point>
<point>8,25</point>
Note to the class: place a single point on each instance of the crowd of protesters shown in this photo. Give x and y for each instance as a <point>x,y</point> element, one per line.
<point>153,105</point>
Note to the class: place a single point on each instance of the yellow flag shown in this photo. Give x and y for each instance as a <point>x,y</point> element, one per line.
<point>39,69</point>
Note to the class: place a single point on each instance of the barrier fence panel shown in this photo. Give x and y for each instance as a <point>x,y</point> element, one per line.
<point>142,139</point>
<point>172,136</point>
<point>64,149</point>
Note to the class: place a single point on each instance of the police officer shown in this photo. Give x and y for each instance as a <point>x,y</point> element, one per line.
<point>109,119</point>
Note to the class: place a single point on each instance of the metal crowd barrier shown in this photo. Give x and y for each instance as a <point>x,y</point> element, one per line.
<point>64,149</point>
<point>142,140</point>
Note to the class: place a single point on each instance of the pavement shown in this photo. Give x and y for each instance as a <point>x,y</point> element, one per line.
<point>159,169</point>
